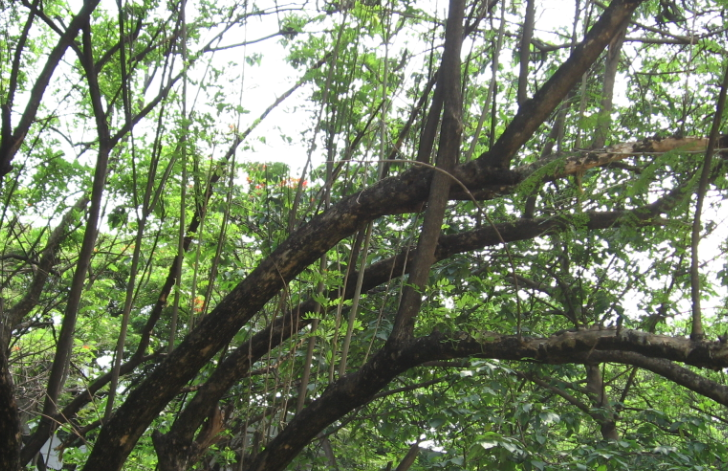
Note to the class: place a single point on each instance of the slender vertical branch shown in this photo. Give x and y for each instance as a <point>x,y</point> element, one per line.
<point>6,133</point>
<point>525,50</point>
<point>491,85</point>
<point>141,224</point>
<point>696,332</point>
<point>611,64</point>
<point>10,144</point>
<point>448,86</point>
<point>183,185</point>
<point>68,325</point>
<point>355,301</point>
<point>380,173</point>
<point>333,60</point>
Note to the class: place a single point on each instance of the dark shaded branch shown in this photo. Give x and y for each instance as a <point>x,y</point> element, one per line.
<point>238,363</point>
<point>448,87</point>
<point>356,389</point>
<point>6,129</point>
<point>696,328</point>
<point>9,147</point>
<point>10,432</point>
<point>68,325</point>
<point>409,458</point>
<point>390,196</point>
<point>536,110</point>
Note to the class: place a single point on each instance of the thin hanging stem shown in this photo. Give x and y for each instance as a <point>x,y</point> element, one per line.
<point>317,128</point>
<point>355,301</point>
<point>491,86</point>
<point>368,235</point>
<point>183,189</point>
<point>337,323</point>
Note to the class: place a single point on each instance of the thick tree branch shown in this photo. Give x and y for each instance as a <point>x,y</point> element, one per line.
<point>237,364</point>
<point>356,389</point>
<point>65,341</point>
<point>10,432</point>
<point>305,246</point>
<point>535,111</point>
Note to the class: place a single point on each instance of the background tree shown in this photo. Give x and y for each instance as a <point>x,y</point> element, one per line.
<point>484,263</point>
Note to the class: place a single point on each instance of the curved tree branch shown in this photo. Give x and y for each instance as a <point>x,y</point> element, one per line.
<point>10,144</point>
<point>311,241</point>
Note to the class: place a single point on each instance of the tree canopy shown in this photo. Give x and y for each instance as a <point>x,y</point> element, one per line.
<point>501,243</point>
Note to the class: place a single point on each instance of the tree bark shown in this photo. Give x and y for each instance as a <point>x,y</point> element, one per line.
<point>409,458</point>
<point>448,86</point>
<point>525,50</point>
<point>10,144</point>
<point>535,111</point>
<point>391,196</point>
<point>64,345</point>
<point>10,432</point>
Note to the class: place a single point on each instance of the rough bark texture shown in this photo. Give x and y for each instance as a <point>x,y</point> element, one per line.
<point>300,250</point>
<point>601,409</point>
<point>449,148</point>
<point>64,344</point>
<point>395,195</point>
<point>10,436</point>
<point>489,176</point>
<point>358,388</point>
<point>237,364</point>
<point>535,111</point>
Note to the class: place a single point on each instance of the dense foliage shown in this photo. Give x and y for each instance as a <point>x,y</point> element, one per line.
<point>363,235</point>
